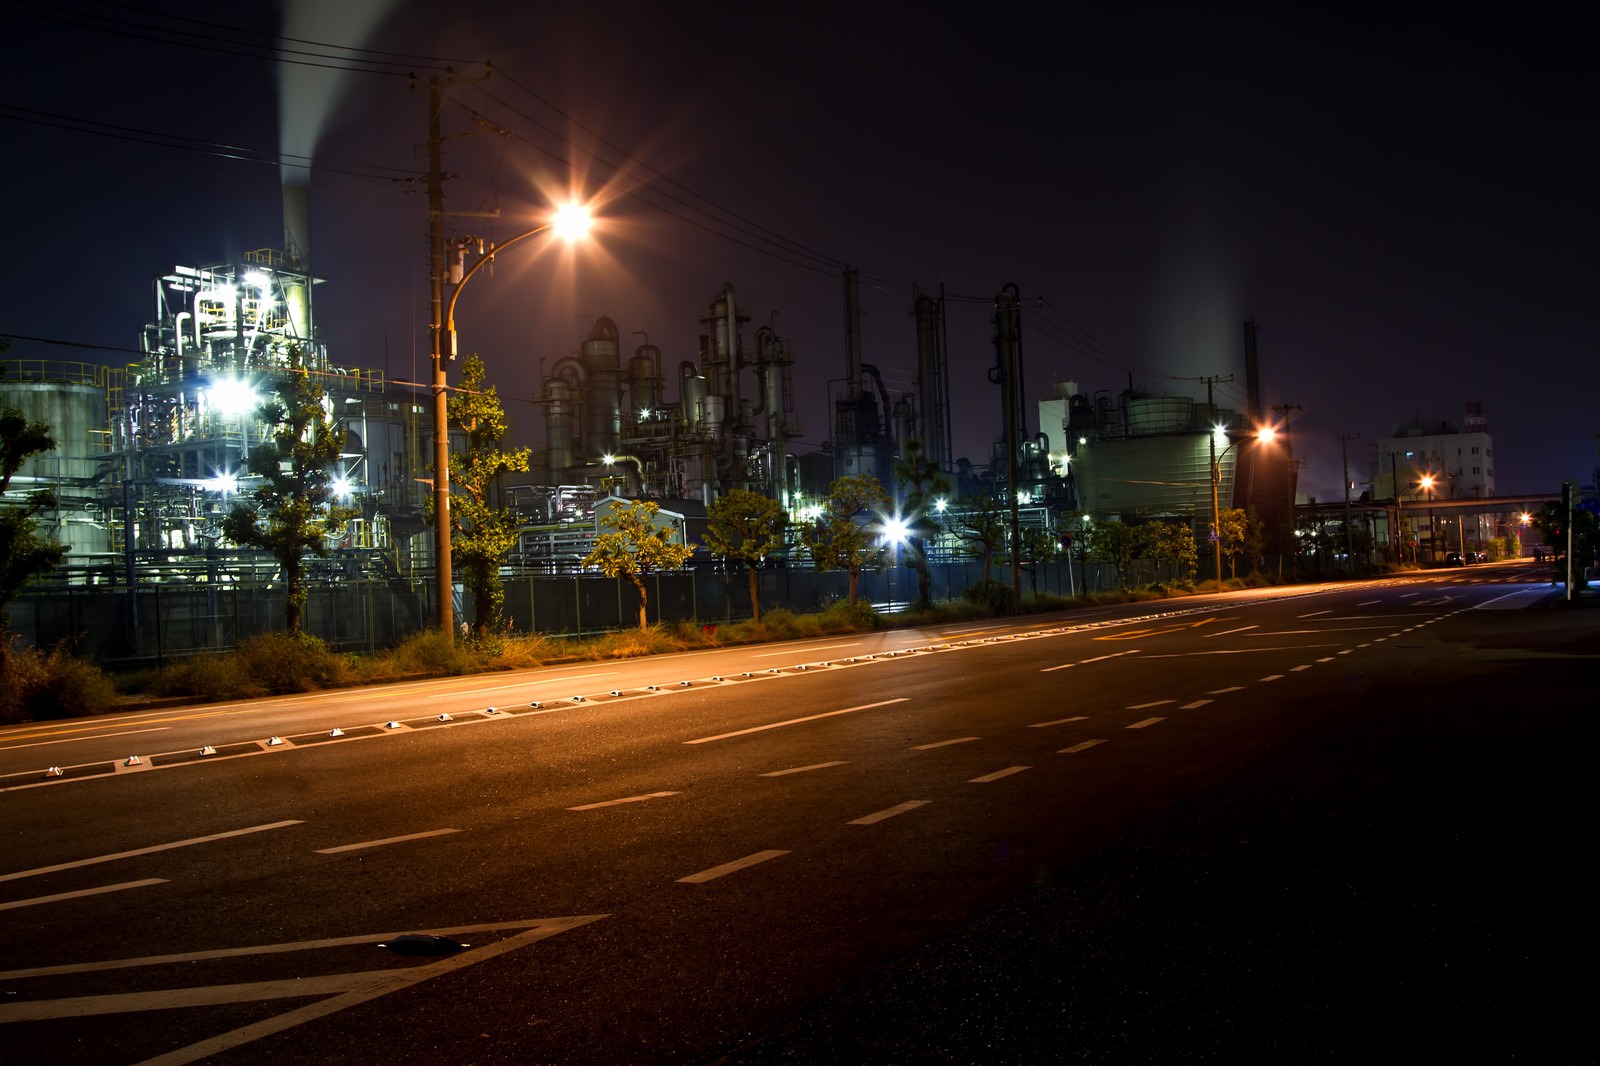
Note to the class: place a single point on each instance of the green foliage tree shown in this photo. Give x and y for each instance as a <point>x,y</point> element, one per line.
<point>1551,521</point>
<point>482,532</point>
<point>923,483</point>
<point>981,524</point>
<point>837,539</point>
<point>294,509</point>
<point>1114,543</point>
<point>1039,546</point>
<point>1170,544</point>
<point>745,527</point>
<point>24,554</point>
<point>635,546</point>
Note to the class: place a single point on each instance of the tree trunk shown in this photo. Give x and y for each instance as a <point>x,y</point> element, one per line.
<point>643,621</point>
<point>755,602</point>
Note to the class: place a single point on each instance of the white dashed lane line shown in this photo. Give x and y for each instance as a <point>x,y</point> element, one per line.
<point>944,743</point>
<point>804,769</point>
<point>1145,723</point>
<point>386,841</point>
<point>888,812</point>
<point>730,867</point>
<point>1083,745</point>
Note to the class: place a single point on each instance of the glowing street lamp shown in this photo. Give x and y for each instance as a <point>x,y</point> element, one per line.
<point>1263,434</point>
<point>569,222</point>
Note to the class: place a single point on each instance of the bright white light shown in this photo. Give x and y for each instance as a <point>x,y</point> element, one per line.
<point>1220,435</point>
<point>895,530</point>
<point>644,414</point>
<point>940,505</point>
<point>572,222</point>
<point>258,279</point>
<point>223,483</point>
<point>232,397</point>
<point>608,459</point>
<point>341,487</point>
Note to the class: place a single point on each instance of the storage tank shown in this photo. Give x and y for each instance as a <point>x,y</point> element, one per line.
<point>602,390</point>
<point>1152,415</point>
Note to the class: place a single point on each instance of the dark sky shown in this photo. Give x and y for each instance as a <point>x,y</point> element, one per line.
<point>1403,203</point>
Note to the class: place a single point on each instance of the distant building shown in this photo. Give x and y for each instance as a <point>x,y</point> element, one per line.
<point>1460,463</point>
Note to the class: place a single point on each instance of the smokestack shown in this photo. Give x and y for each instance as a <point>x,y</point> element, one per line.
<point>1252,374</point>
<point>297,223</point>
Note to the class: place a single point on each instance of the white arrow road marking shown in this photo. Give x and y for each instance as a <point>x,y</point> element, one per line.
<point>341,990</point>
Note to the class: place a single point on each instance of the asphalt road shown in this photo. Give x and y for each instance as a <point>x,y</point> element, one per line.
<point>1332,824</point>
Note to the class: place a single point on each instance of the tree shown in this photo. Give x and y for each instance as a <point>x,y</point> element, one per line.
<point>923,481</point>
<point>982,526</point>
<point>1038,546</point>
<point>745,527</point>
<point>1171,543</point>
<point>1234,528</point>
<point>635,546</point>
<point>482,533</point>
<point>24,554</point>
<point>1551,521</point>
<point>1113,542</point>
<point>294,509</point>
<point>837,539</point>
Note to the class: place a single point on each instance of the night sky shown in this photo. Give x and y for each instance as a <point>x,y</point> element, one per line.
<point>1404,203</point>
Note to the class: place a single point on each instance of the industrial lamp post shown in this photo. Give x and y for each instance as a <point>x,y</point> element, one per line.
<point>570,222</point>
<point>1264,433</point>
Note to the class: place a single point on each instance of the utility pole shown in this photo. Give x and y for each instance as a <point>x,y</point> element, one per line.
<point>1216,477</point>
<point>1283,409</point>
<point>1008,343</point>
<point>1349,547</point>
<point>444,586</point>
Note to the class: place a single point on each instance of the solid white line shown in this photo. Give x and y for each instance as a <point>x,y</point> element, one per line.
<point>625,799</point>
<point>998,774</point>
<point>147,851</point>
<point>79,740</point>
<point>1152,703</point>
<point>1084,745</point>
<point>944,743</point>
<point>1195,705</point>
<point>102,890</point>
<point>1145,723</point>
<point>1228,632</point>
<point>1058,721</point>
<point>1313,614</point>
<point>385,841</point>
<point>797,721</point>
<point>456,695</point>
<point>729,867</point>
<point>807,649</point>
<point>804,769</point>
<point>888,812</point>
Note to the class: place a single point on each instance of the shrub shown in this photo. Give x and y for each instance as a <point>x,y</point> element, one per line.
<point>429,652</point>
<point>990,595</point>
<point>38,686</point>
<point>282,663</point>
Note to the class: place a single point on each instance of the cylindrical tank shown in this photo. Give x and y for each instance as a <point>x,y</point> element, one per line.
<point>691,393</point>
<point>75,411</point>
<point>1152,415</point>
<point>602,392</point>
<point>644,379</point>
<point>559,427</point>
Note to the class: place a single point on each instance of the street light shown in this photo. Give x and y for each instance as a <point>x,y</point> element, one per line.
<point>1264,433</point>
<point>570,222</point>
<point>1433,528</point>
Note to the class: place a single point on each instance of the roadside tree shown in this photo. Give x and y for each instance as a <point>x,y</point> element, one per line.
<point>923,483</point>
<point>294,509</point>
<point>635,546</point>
<point>745,527</point>
<point>845,536</point>
<point>482,531</point>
